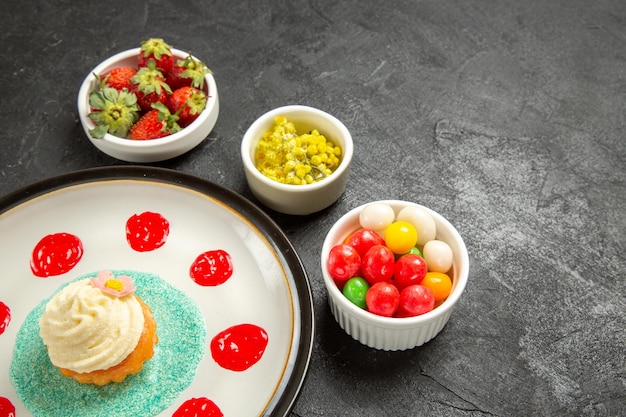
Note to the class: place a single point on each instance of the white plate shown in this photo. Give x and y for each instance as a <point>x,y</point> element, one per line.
<point>269,287</point>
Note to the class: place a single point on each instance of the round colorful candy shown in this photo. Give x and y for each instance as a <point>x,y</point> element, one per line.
<point>409,269</point>
<point>438,256</point>
<point>363,239</point>
<point>376,216</point>
<point>343,262</point>
<point>400,237</point>
<point>383,299</point>
<point>355,291</point>
<point>421,220</point>
<point>415,300</point>
<point>378,264</point>
<point>415,251</point>
<point>439,283</point>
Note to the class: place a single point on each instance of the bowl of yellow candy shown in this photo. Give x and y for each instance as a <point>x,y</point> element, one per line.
<point>297,159</point>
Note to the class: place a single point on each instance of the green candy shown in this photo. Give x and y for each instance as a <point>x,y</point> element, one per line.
<point>413,251</point>
<point>355,289</point>
<point>416,251</point>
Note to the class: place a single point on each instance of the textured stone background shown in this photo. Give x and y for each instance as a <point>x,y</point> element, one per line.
<point>507,117</point>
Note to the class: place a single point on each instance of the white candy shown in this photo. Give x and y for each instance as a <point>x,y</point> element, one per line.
<point>376,216</point>
<point>438,256</point>
<point>422,221</point>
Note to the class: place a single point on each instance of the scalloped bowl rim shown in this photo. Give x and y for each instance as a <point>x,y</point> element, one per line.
<point>461,270</point>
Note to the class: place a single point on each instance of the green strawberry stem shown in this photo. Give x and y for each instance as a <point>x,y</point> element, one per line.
<point>150,80</point>
<point>114,112</point>
<point>155,46</point>
<point>194,70</point>
<point>171,120</point>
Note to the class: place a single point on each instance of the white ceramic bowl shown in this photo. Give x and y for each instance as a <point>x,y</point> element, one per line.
<point>298,199</point>
<point>389,333</point>
<point>155,149</point>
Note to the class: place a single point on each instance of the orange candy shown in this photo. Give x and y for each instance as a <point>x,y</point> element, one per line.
<point>439,283</point>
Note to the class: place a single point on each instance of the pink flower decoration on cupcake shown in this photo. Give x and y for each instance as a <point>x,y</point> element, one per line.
<point>117,286</point>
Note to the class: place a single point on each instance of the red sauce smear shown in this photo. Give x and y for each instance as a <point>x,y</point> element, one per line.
<point>147,231</point>
<point>211,268</point>
<point>239,347</point>
<point>6,408</point>
<point>198,407</point>
<point>56,254</point>
<point>5,317</point>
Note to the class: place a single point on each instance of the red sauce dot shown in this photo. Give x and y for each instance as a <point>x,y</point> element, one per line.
<point>5,317</point>
<point>198,407</point>
<point>239,347</point>
<point>211,268</point>
<point>147,231</point>
<point>6,408</point>
<point>56,254</point>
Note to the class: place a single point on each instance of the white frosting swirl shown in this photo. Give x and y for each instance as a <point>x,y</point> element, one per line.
<point>86,329</point>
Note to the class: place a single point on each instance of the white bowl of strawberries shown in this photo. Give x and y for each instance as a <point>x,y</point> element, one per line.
<point>149,103</point>
<point>394,271</point>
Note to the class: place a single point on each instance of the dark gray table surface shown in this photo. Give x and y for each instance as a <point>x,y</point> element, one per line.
<point>507,117</point>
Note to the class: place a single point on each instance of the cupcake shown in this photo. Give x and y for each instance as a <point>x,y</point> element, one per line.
<point>97,331</point>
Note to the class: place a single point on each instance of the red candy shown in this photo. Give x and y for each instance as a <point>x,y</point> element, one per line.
<point>378,264</point>
<point>363,239</point>
<point>410,269</point>
<point>343,262</point>
<point>415,300</point>
<point>383,299</point>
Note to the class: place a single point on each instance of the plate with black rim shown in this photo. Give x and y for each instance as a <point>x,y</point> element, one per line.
<point>268,286</point>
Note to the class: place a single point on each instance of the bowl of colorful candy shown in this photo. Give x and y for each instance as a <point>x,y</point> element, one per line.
<point>297,159</point>
<point>149,103</point>
<point>394,271</point>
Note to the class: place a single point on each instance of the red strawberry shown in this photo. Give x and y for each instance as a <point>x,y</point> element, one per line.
<point>156,49</point>
<point>187,103</point>
<point>149,86</point>
<point>113,111</point>
<point>187,72</point>
<point>157,123</point>
<point>118,78</point>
